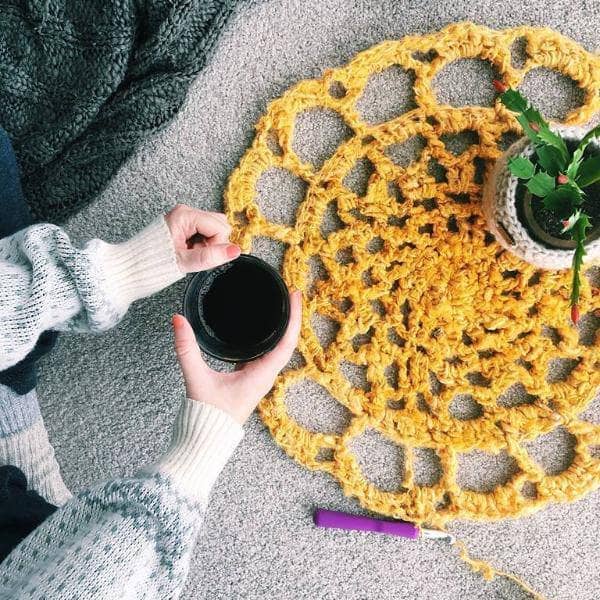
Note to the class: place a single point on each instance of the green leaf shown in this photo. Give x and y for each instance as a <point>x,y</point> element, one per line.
<point>589,171</point>
<point>540,184</point>
<point>521,167</point>
<point>579,235</point>
<point>552,139</point>
<point>550,159</point>
<point>514,100</point>
<point>561,201</point>
<point>530,133</point>
<point>589,136</point>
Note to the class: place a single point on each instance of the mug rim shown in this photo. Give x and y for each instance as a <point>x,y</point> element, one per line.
<point>216,348</point>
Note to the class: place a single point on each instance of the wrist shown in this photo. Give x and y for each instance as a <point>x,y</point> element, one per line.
<point>204,438</point>
<point>140,266</point>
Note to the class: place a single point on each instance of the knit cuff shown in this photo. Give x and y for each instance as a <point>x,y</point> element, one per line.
<point>17,412</point>
<point>31,451</point>
<point>141,266</point>
<point>204,438</point>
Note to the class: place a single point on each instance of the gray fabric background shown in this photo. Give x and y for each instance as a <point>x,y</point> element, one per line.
<point>109,401</point>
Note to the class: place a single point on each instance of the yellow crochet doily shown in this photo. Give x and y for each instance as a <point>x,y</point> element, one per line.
<point>430,295</point>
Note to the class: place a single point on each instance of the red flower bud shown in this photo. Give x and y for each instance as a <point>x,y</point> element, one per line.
<point>534,126</point>
<point>500,86</point>
<point>565,223</point>
<point>575,314</point>
<point>562,179</point>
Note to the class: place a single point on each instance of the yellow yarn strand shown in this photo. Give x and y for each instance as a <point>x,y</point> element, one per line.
<point>428,292</point>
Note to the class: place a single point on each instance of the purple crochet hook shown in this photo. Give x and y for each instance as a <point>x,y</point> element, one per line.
<point>334,519</point>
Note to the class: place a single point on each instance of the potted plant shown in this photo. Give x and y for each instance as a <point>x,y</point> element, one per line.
<point>542,198</point>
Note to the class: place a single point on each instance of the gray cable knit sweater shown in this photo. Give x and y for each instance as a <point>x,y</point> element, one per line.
<point>125,538</point>
<point>84,82</point>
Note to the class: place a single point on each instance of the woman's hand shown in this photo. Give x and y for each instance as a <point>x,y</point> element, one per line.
<point>239,392</point>
<point>201,238</point>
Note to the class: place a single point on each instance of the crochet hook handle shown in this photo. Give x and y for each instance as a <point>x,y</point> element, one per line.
<point>338,520</point>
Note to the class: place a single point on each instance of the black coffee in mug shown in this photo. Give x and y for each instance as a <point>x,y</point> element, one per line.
<point>240,310</point>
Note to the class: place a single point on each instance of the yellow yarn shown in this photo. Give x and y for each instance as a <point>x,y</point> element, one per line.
<point>441,298</point>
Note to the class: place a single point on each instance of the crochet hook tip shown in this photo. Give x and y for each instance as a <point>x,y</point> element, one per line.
<point>435,534</point>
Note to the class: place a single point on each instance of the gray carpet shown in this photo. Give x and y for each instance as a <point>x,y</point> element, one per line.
<point>109,401</point>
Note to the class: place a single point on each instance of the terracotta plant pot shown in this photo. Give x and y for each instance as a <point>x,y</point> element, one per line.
<point>510,213</point>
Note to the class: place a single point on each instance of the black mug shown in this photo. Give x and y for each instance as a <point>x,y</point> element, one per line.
<point>239,310</point>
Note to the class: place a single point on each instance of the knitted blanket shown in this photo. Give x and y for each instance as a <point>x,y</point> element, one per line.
<point>84,83</point>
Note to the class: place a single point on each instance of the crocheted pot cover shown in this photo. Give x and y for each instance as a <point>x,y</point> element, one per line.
<point>421,291</point>
<point>500,210</point>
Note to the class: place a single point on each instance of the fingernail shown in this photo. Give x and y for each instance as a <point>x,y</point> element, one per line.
<point>177,321</point>
<point>233,251</point>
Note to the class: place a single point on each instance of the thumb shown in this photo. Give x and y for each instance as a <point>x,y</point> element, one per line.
<point>207,257</point>
<point>188,354</point>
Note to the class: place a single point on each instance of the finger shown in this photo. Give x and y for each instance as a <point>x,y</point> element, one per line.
<point>205,257</point>
<point>213,226</point>
<point>270,364</point>
<point>187,350</point>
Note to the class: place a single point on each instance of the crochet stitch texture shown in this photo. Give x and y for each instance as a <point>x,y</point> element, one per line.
<point>429,306</point>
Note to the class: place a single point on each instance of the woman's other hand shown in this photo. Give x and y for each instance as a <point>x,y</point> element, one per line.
<point>239,392</point>
<point>201,238</point>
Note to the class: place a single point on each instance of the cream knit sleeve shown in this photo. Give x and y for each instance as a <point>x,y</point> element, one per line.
<point>47,283</point>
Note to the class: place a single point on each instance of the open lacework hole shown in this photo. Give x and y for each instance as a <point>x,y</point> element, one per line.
<point>457,143</point>
<point>394,192</point>
<point>296,361</point>
<point>507,139</point>
<point>378,308</point>
<point>360,339</point>
<point>552,334</point>
<point>436,387</point>
<point>344,305</point>
<point>325,455</point>
<point>593,276</point>
<point>427,467</point>
<point>398,404</point>
<point>516,395</point>
<point>357,179</point>
<point>279,193</point>
<point>391,375</point>
<point>478,379</point>
<point>483,472</point>
<point>518,53</point>
<point>240,218</point>
<point>553,452</point>
<point>479,166</point>
<point>551,92</point>
<point>588,328</point>
<point>314,408</point>
<point>318,132</point>
<point>404,153</point>
<point>270,250</point>
<point>355,374</point>
<point>387,95</point>
<point>380,459</point>
<point>559,369</point>
<point>337,90</point>
<point>395,338</point>
<point>331,221</point>
<point>529,490</point>
<point>345,256</point>
<point>375,245</point>
<point>464,407</point>
<point>425,56</point>
<point>591,414</point>
<point>466,82</point>
<point>325,328</point>
<point>316,272</point>
<point>273,144</point>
